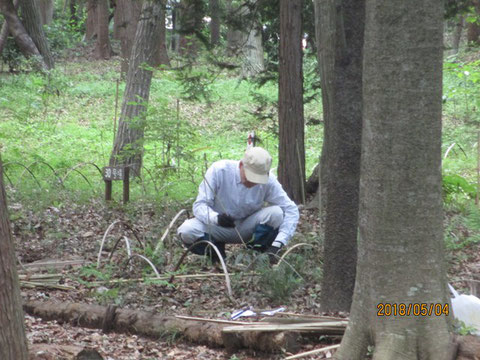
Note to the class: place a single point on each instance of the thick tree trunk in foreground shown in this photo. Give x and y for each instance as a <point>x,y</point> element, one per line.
<point>291,150</point>
<point>17,30</point>
<point>400,250</point>
<point>340,43</point>
<point>103,50</point>
<point>126,18</point>
<point>128,146</point>
<point>13,342</point>
<point>33,25</point>
<point>157,326</point>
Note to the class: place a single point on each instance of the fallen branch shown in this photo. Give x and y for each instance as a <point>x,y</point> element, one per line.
<point>312,352</point>
<point>156,326</point>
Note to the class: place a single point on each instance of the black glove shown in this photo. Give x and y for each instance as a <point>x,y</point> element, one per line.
<point>225,220</point>
<point>272,252</point>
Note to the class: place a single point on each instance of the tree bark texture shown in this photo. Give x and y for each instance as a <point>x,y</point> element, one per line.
<point>234,36</point>
<point>190,15</point>
<point>92,18</point>
<point>252,46</point>
<point>162,54</point>
<point>46,11</point>
<point>215,15</point>
<point>457,35</point>
<point>127,14</point>
<point>400,250</point>
<point>340,57</point>
<point>13,342</point>
<point>291,150</point>
<point>158,326</point>
<point>4,30</point>
<point>473,28</point>
<point>128,146</point>
<point>103,49</point>
<point>22,38</point>
<point>33,25</point>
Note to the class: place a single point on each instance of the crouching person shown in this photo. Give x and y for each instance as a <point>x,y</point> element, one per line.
<point>230,203</point>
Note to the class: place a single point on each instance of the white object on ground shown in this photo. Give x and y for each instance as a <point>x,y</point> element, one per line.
<point>466,308</point>
<point>272,312</point>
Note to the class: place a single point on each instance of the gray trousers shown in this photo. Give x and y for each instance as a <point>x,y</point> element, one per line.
<point>193,229</point>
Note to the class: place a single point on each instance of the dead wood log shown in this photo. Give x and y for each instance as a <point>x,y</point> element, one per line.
<point>156,326</point>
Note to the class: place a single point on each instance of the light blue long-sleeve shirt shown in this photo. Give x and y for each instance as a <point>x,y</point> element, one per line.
<point>222,191</point>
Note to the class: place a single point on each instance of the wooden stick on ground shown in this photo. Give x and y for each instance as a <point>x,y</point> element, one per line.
<point>312,352</point>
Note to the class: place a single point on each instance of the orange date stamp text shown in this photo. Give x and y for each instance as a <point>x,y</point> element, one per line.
<point>413,309</point>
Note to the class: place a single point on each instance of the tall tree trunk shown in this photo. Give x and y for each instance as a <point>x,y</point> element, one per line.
<point>103,50</point>
<point>215,12</point>
<point>234,36</point>
<point>457,35</point>
<point>400,250</point>
<point>13,342</point>
<point>34,27</point>
<point>127,14</point>
<point>46,11</point>
<point>128,146</point>
<point>340,43</point>
<point>190,13</point>
<point>162,55</point>
<point>17,30</point>
<point>291,150</point>
<point>252,47</point>
<point>473,28</point>
<point>92,18</point>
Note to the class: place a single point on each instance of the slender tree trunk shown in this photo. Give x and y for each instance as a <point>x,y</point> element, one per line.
<point>215,12</point>
<point>457,35</point>
<point>128,146</point>
<point>13,342</point>
<point>92,18</point>
<point>400,250</point>
<point>23,40</point>
<point>291,150</point>
<point>103,50</point>
<point>162,55</point>
<point>340,42</point>
<point>34,27</point>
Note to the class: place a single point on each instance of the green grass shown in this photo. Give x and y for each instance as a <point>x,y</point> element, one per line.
<point>67,118</point>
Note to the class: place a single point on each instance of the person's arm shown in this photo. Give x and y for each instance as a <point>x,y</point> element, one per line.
<point>277,196</point>
<point>202,207</point>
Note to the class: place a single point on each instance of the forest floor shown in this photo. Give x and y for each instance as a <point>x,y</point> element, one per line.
<point>76,231</point>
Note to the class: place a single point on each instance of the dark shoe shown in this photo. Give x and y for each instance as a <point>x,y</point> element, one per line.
<point>205,249</point>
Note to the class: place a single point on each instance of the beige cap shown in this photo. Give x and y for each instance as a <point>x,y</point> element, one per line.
<point>256,163</point>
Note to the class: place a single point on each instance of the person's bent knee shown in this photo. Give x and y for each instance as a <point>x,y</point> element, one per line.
<point>275,216</point>
<point>187,233</point>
